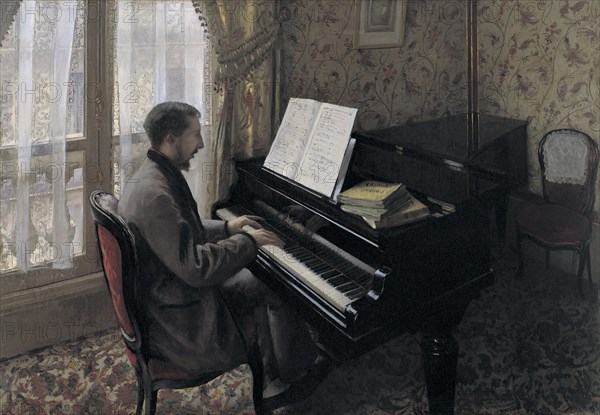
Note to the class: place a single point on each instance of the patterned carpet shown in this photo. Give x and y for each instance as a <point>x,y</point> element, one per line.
<point>528,346</point>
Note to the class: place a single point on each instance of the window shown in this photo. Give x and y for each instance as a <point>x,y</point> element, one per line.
<point>162,55</point>
<point>50,143</point>
<point>106,100</point>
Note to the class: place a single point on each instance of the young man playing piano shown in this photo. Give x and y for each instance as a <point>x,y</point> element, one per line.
<point>193,282</point>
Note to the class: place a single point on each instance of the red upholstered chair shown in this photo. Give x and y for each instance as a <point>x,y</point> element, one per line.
<point>119,261</point>
<point>568,162</point>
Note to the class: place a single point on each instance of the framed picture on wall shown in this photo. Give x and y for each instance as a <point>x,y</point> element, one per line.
<point>379,23</point>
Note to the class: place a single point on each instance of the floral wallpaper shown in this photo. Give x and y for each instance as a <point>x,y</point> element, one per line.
<point>421,80</point>
<point>538,61</point>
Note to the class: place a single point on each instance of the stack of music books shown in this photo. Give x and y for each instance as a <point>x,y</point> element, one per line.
<point>381,204</point>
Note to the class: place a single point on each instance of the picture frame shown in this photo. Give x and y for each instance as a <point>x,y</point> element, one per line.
<point>379,23</point>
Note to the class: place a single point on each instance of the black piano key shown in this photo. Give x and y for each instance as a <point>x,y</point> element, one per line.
<point>365,280</point>
<point>320,269</point>
<point>357,293</point>
<point>337,280</point>
<point>329,274</point>
<point>293,249</point>
<point>303,256</point>
<point>344,288</point>
<point>312,262</point>
<point>335,277</point>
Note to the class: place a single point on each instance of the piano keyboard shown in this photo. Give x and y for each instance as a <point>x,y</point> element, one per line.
<point>335,275</point>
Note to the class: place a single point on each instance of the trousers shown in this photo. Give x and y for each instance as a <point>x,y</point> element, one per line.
<point>286,346</point>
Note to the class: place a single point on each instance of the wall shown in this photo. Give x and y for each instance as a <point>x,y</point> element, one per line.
<point>422,80</point>
<point>63,311</point>
<point>539,60</point>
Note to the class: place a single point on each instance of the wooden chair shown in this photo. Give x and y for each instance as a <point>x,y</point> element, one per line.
<point>119,262</point>
<point>568,162</point>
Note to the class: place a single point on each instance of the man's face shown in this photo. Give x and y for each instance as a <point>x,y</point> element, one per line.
<point>188,144</point>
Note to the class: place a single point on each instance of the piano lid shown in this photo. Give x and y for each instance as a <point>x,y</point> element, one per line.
<point>459,138</point>
<point>455,159</point>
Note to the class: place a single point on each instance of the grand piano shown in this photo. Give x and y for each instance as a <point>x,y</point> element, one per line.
<point>359,287</point>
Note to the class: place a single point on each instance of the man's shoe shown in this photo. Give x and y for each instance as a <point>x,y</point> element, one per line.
<point>274,388</point>
<point>296,392</point>
<point>321,367</point>
<point>300,389</point>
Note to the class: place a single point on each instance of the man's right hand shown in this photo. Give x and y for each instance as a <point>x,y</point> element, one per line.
<point>265,237</point>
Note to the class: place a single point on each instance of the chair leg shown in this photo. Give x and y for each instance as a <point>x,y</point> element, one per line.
<point>153,402</point>
<point>582,262</point>
<point>149,399</point>
<point>588,262</point>
<point>140,397</point>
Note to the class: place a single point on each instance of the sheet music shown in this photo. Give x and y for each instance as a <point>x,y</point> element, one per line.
<point>292,137</point>
<point>311,142</point>
<point>322,161</point>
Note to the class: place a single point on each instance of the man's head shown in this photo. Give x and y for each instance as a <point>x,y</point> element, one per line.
<point>174,129</point>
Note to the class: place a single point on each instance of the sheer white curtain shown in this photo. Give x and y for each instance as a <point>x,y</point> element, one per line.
<point>34,72</point>
<point>8,10</point>
<point>162,55</point>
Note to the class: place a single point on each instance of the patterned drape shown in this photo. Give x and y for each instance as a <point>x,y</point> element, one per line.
<point>245,36</point>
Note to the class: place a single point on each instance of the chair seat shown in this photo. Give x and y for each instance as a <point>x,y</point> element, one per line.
<point>554,225</point>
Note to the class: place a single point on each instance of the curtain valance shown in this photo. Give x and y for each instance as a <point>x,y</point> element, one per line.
<point>244,34</point>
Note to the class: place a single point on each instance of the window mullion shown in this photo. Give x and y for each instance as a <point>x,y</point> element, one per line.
<point>98,112</point>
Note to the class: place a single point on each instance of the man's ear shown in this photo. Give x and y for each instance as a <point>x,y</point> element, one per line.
<point>170,138</point>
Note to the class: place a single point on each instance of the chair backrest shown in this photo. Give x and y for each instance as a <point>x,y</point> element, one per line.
<point>119,262</point>
<point>569,162</point>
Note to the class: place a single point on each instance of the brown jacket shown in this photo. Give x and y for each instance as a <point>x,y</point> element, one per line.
<point>182,260</point>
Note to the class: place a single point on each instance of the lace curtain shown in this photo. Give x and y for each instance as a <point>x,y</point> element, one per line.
<point>245,36</point>
<point>8,11</point>
<point>36,229</point>
<point>162,54</point>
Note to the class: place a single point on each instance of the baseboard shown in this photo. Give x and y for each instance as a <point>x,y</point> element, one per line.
<point>55,313</point>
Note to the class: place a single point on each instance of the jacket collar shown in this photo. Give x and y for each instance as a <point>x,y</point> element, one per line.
<point>175,179</point>
<point>165,164</point>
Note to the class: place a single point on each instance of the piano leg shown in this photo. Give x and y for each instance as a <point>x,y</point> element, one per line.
<point>440,357</point>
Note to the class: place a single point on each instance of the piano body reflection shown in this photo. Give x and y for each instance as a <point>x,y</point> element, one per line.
<point>359,286</point>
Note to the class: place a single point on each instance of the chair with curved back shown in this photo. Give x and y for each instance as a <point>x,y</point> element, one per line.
<point>568,163</point>
<point>119,262</point>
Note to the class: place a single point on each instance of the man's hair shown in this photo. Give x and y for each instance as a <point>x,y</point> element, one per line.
<point>168,118</point>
